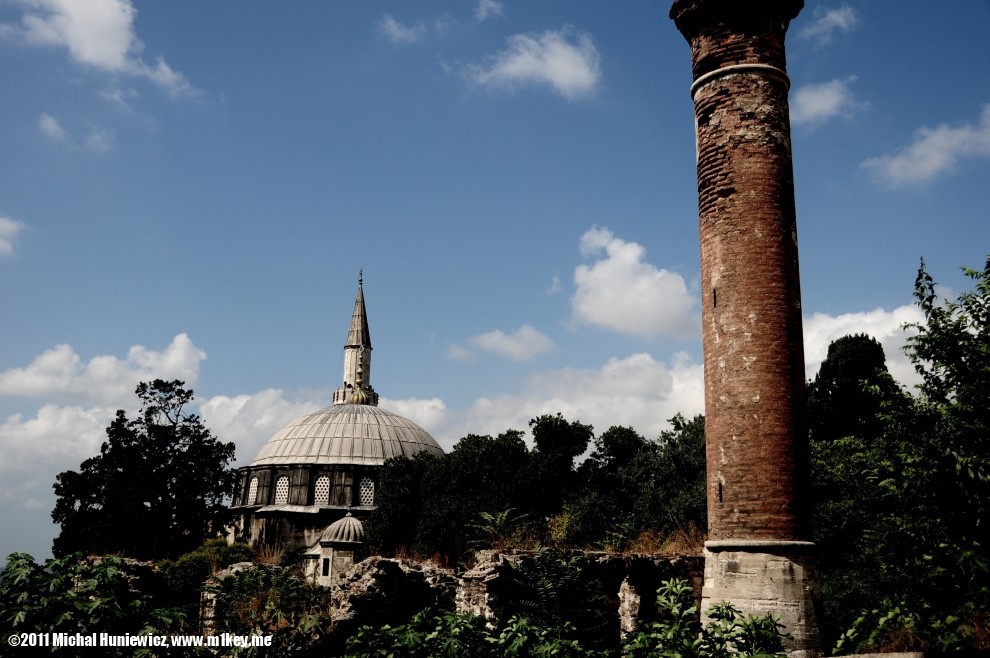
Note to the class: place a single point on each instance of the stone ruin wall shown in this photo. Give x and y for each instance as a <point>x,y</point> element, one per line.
<point>628,583</point>
<point>382,590</point>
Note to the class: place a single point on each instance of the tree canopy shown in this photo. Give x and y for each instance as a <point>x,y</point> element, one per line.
<point>902,482</point>
<point>156,488</point>
<point>490,491</point>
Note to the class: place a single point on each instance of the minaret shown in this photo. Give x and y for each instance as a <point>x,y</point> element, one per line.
<point>357,387</point>
<point>759,555</point>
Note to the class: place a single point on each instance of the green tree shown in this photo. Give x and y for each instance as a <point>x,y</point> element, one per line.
<point>901,500</point>
<point>850,390</point>
<point>157,488</point>
<point>430,504</point>
<point>551,473</point>
<point>676,495</point>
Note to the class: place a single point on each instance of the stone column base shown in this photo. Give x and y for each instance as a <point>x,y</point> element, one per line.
<point>761,576</point>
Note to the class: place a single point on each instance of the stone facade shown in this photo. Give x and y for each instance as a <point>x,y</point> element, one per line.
<point>755,433</point>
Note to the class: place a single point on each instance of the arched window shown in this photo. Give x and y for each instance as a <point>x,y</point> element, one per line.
<point>321,491</point>
<point>252,497</point>
<point>282,490</point>
<point>366,491</point>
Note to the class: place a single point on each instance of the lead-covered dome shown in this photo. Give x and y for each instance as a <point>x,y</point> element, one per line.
<point>347,530</point>
<point>356,434</point>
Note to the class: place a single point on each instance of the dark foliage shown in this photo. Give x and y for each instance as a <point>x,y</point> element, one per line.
<point>848,395</point>
<point>75,594</point>
<point>155,490</point>
<point>902,487</point>
<point>275,601</point>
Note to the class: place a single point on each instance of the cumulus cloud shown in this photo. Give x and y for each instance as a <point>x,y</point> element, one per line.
<point>523,344</point>
<point>249,420</point>
<point>885,326</point>
<point>933,152</point>
<point>827,23</point>
<point>55,437</point>
<point>428,413</point>
<point>61,373</point>
<point>813,104</point>
<point>100,34</point>
<point>486,9</point>
<point>565,60</point>
<point>9,228</point>
<point>636,390</point>
<point>623,292</point>
<point>400,33</point>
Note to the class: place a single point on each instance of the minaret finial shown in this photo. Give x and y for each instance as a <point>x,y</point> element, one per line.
<point>361,277</point>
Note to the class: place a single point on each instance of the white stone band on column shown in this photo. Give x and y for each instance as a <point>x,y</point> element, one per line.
<point>755,545</point>
<point>766,69</point>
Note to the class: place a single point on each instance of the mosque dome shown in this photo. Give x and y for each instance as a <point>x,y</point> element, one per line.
<point>358,434</point>
<point>310,477</point>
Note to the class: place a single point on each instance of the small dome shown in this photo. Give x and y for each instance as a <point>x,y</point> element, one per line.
<point>346,530</point>
<point>346,434</point>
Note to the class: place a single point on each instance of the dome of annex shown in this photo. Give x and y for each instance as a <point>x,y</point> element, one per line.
<point>347,530</point>
<point>352,434</point>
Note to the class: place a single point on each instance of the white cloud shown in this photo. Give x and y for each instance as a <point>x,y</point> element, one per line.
<point>56,437</point>
<point>250,420</point>
<point>428,413</point>
<point>886,326</point>
<point>636,390</point>
<point>61,373</point>
<point>399,33</point>
<point>98,33</point>
<point>816,103</point>
<point>934,151</point>
<point>9,228</point>
<point>52,129</point>
<point>564,59</point>
<point>486,9</point>
<point>828,22</point>
<point>622,292</point>
<point>522,345</point>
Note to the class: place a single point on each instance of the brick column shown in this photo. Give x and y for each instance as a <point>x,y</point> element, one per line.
<point>759,553</point>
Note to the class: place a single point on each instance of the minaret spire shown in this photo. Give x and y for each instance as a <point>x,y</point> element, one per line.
<point>357,387</point>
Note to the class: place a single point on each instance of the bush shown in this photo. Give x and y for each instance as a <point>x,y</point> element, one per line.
<point>187,575</point>
<point>679,634</point>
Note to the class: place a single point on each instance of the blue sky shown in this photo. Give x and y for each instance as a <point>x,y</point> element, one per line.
<point>189,190</point>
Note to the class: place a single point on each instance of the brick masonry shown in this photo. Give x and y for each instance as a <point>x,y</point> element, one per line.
<point>759,555</point>
<point>751,310</point>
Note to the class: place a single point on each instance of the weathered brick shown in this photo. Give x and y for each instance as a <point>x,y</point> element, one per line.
<point>754,362</point>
